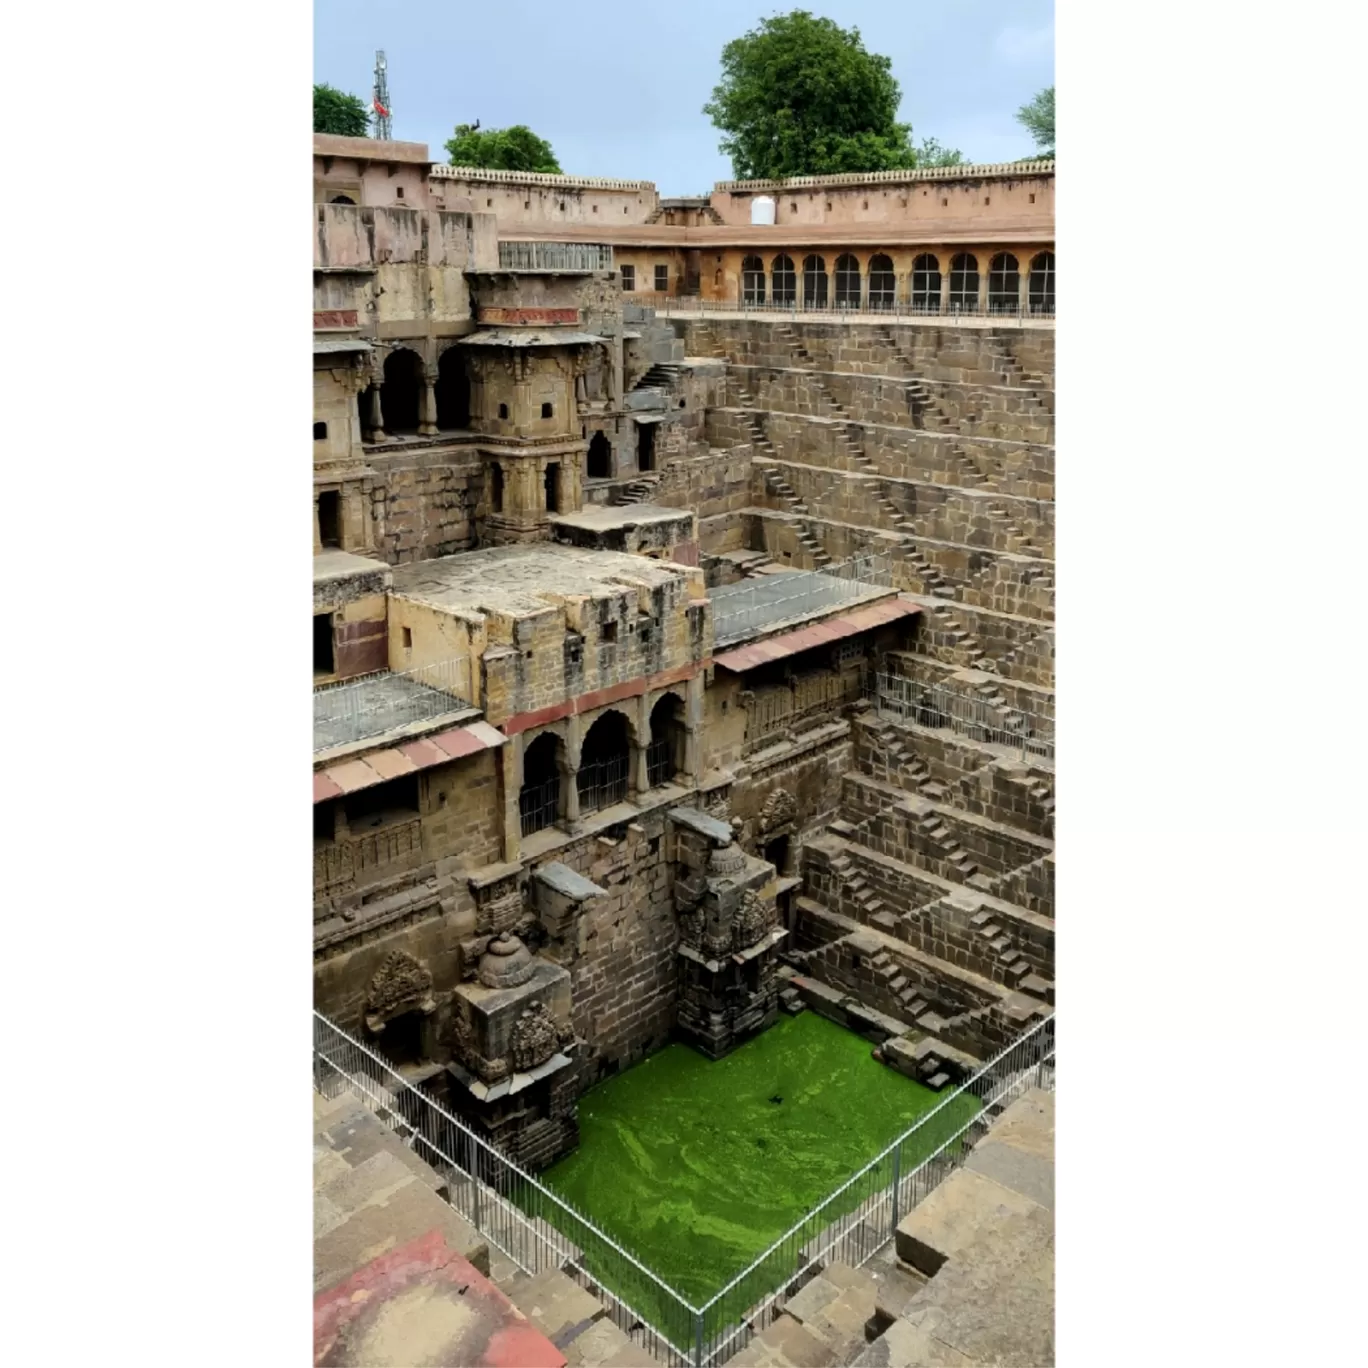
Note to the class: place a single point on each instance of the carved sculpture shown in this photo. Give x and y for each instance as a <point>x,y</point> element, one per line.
<point>506,963</point>
<point>534,1038</point>
<point>780,810</point>
<point>753,920</point>
<point>400,985</point>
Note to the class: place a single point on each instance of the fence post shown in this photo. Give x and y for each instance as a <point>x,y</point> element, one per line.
<point>897,1170</point>
<point>698,1339</point>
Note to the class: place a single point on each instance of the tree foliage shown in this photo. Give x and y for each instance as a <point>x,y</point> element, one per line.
<point>1038,120</point>
<point>800,96</point>
<point>337,112</point>
<point>516,148</point>
<point>931,153</point>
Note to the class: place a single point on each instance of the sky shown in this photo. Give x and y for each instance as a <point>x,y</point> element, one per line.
<point>618,86</point>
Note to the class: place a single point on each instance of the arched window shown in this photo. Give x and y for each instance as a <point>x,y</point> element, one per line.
<point>1040,284</point>
<point>926,284</point>
<point>605,759</point>
<point>783,280</point>
<point>847,281</point>
<point>665,754</point>
<point>964,283</point>
<point>453,391</point>
<point>342,199</point>
<point>600,457</point>
<point>752,280</point>
<point>814,283</point>
<point>1004,284</point>
<point>539,798</point>
<point>403,390</point>
<point>883,284</point>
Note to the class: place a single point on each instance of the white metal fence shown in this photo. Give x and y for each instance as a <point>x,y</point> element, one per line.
<point>1030,731</point>
<point>531,1225</point>
<point>861,1216</point>
<point>538,1230</point>
<point>573,257</point>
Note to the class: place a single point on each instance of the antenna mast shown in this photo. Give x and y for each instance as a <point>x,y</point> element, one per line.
<point>380,99</point>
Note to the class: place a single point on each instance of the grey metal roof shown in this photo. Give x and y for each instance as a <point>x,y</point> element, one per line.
<point>530,337</point>
<point>323,345</point>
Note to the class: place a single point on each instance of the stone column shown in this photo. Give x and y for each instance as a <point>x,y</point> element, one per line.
<point>377,416</point>
<point>511,766</point>
<point>945,284</point>
<point>984,263</point>
<point>1024,288</point>
<point>427,407</point>
<point>640,780</point>
<point>693,728</point>
<point>574,738</point>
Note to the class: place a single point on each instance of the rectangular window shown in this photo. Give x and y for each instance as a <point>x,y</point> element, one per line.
<point>323,643</point>
<point>662,279</point>
<point>408,638</point>
<point>320,432</point>
<point>325,821</point>
<point>629,278</point>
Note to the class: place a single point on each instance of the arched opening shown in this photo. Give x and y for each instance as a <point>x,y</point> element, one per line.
<point>883,284</point>
<point>926,284</point>
<point>1004,284</point>
<point>752,280</point>
<point>496,488</point>
<point>453,391</point>
<point>1040,284</point>
<point>776,851</point>
<point>645,446</point>
<point>847,281</point>
<point>665,754</point>
<point>964,283</point>
<point>783,281</point>
<point>539,797</point>
<point>814,282</point>
<point>365,406</point>
<point>403,390</point>
<point>605,761</point>
<point>600,457</point>
<point>341,199</point>
<point>551,483</point>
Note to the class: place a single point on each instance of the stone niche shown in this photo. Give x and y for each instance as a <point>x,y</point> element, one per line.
<point>401,1014</point>
<point>511,1038</point>
<point>728,935</point>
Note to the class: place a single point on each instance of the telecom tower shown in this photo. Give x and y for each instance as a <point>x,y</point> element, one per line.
<point>380,99</point>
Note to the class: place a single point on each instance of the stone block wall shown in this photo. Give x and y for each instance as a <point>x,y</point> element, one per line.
<point>622,953</point>
<point>426,503</point>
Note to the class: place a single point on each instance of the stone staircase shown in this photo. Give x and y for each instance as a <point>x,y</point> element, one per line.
<point>780,487</point>
<point>574,1320</point>
<point>963,641</point>
<point>1001,515</point>
<point>662,375</point>
<point>639,491</point>
<point>997,947</point>
<point>934,829</point>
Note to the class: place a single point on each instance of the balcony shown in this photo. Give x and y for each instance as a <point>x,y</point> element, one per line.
<point>357,859</point>
<point>564,258</point>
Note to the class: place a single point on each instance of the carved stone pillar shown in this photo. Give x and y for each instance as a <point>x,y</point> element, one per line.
<point>945,289</point>
<point>427,407</point>
<point>376,416</point>
<point>570,786</point>
<point>511,761</point>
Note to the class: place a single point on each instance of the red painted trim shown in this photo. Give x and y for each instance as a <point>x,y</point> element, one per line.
<point>632,688</point>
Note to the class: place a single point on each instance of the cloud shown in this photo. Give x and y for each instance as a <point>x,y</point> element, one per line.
<point>1019,46</point>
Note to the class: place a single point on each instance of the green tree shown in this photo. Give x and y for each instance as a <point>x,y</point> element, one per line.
<point>502,149</point>
<point>337,112</point>
<point>931,153</point>
<point>1038,120</point>
<point>800,96</point>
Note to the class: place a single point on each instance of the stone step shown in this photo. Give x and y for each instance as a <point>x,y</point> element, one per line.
<point>557,1305</point>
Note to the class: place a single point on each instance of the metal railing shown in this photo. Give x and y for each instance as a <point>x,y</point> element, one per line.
<point>684,305</point>
<point>861,1216</point>
<point>602,782</point>
<point>970,715</point>
<point>539,805</point>
<point>367,705</point>
<point>740,610</point>
<point>538,1230</point>
<point>532,1226</point>
<point>573,257</point>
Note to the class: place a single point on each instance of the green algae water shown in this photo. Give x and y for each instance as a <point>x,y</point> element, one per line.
<point>697,1165</point>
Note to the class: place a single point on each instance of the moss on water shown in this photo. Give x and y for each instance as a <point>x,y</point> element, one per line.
<point>696,1165</point>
